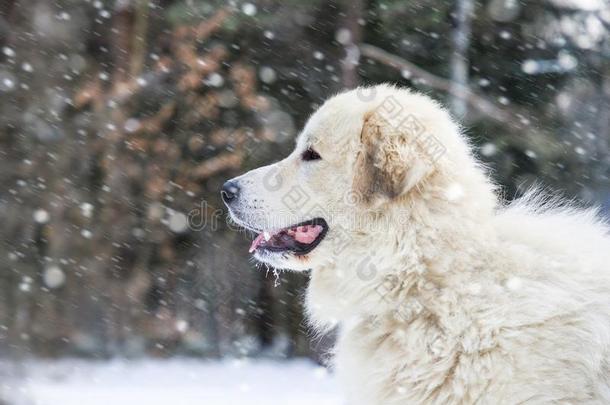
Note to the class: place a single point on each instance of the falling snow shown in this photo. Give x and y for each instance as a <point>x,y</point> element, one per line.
<point>41,216</point>
<point>54,277</point>
<point>120,122</point>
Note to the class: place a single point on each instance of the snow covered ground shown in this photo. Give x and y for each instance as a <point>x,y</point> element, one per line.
<point>175,382</point>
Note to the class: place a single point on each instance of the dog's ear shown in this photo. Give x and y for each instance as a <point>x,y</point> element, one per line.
<point>388,164</point>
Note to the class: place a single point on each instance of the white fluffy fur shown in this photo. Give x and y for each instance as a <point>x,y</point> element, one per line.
<point>485,304</point>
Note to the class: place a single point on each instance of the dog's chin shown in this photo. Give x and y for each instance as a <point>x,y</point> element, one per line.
<point>284,261</point>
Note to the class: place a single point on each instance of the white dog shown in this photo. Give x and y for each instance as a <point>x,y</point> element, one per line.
<point>440,295</point>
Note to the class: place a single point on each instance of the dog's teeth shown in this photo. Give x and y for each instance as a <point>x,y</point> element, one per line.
<point>266,236</point>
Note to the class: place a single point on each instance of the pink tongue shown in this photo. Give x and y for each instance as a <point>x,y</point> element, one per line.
<point>260,239</point>
<point>257,241</point>
<point>303,234</point>
<point>306,234</point>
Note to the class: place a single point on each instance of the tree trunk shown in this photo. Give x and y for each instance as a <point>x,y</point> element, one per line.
<point>459,63</point>
<point>351,24</point>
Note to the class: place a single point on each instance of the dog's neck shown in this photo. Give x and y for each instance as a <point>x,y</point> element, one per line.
<point>401,278</point>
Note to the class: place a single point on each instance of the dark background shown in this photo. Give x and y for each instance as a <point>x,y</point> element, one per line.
<point>119,119</point>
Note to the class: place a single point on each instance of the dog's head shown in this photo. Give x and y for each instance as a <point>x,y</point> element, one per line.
<point>349,180</point>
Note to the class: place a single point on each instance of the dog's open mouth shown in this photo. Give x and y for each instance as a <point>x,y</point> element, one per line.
<point>299,239</point>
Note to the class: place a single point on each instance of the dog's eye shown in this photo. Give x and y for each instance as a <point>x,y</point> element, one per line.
<point>310,154</point>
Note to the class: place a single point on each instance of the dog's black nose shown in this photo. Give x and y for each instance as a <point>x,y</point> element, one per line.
<point>230,191</point>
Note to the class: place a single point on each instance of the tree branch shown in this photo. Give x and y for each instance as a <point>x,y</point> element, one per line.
<point>510,116</point>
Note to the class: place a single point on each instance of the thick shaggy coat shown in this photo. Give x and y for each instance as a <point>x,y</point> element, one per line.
<point>440,294</point>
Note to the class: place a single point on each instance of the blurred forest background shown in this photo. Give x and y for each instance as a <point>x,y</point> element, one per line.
<point>118,118</point>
